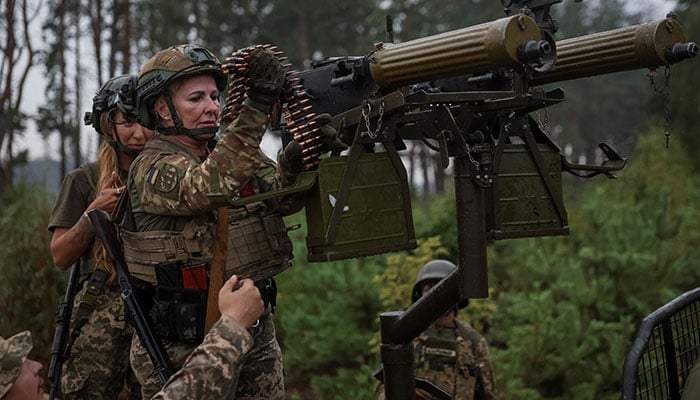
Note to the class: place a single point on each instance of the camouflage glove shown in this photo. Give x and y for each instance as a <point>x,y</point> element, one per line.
<point>266,78</point>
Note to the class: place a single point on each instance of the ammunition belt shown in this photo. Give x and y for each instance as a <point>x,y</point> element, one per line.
<point>294,100</point>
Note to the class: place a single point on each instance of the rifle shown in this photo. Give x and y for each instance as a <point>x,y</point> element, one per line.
<point>106,232</point>
<point>59,348</point>
<point>467,94</point>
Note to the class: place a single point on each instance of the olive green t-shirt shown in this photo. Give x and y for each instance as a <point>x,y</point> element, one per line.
<point>77,191</point>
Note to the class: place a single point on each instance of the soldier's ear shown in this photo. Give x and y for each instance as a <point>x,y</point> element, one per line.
<point>161,108</point>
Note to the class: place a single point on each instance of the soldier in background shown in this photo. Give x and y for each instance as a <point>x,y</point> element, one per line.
<point>98,366</point>
<point>204,374</point>
<point>450,353</point>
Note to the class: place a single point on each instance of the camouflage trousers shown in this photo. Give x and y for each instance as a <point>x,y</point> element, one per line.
<point>259,376</point>
<point>98,366</point>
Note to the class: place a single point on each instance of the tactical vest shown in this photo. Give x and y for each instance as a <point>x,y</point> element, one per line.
<point>258,244</point>
<point>447,358</point>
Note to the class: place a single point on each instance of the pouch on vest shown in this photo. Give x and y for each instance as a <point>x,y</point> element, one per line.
<point>258,244</point>
<point>178,313</point>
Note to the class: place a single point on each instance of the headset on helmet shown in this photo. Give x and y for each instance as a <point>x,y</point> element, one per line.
<point>116,93</point>
<point>167,66</point>
<point>434,270</point>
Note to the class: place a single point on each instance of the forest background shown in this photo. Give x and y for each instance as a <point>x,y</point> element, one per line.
<point>562,311</point>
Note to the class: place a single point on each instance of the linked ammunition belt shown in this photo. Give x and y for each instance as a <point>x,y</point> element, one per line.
<point>294,99</point>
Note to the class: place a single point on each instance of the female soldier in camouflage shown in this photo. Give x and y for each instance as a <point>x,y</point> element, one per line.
<point>99,364</point>
<point>168,238</point>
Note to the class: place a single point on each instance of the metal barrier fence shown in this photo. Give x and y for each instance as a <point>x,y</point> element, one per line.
<point>664,351</point>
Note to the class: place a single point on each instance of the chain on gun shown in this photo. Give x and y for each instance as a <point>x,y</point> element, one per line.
<point>294,99</point>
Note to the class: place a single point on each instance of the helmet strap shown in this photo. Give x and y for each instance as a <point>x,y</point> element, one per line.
<point>117,145</point>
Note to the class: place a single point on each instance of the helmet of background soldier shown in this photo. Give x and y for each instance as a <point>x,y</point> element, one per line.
<point>434,270</point>
<point>164,68</point>
<point>118,93</point>
<point>13,352</point>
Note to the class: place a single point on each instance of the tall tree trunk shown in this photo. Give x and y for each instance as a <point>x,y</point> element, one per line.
<point>61,45</point>
<point>439,173</point>
<point>303,36</point>
<point>16,57</point>
<point>75,123</point>
<point>94,9</point>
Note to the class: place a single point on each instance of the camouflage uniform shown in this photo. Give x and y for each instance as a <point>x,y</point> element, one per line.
<point>456,360</point>
<point>98,367</point>
<point>210,371</point>
<point>168,188</point>
<point>13,352</point>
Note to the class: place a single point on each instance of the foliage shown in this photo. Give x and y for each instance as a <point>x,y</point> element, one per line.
<point>326,315</point>
<point>568,307</point>
<point>31,287</point>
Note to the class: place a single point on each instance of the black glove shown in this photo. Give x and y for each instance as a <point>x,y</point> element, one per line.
<point>266,76</point>
<point>290,158</point>
<point>328,135</point>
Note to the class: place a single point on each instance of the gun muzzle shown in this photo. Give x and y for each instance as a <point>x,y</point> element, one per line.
<point>507,42</point>
<point>648,45</point>
<point>681,51</point>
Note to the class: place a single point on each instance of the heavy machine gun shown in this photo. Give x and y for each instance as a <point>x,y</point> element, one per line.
<point>468,94</point>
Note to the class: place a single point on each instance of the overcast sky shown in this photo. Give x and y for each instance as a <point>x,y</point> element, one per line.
<point>38,148</point>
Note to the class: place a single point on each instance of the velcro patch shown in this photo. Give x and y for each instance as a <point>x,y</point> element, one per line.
<point>163,179</point>
<point>433,351</point>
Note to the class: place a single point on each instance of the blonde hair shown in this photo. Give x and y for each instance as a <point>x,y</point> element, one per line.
<point>107,162</point>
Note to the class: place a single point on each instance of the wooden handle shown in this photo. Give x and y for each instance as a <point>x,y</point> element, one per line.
<point>218,266</point>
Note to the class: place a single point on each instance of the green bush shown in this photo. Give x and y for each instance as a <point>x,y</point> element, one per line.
<point>326,315</point>
<point>569,306</point>
<point>32,287</point>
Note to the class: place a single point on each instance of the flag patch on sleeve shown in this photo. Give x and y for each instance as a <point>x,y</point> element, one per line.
<point>152,175</point>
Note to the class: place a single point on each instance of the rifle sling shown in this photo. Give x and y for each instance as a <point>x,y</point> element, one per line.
<point>95,286</point>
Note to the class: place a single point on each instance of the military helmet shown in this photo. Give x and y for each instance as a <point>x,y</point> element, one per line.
<point>13,352</point>
<point>169,65</point>
<point>117,93</point>
<point>434,270</point>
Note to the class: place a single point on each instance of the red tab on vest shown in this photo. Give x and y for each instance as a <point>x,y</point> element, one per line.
<point>247,189</point>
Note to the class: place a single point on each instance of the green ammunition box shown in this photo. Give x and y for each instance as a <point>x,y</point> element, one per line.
<point>520,203</point>
<point>376,217</point>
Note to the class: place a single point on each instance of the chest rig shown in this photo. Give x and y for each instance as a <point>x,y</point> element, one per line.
<point>258,244</point>
<point>446,357</point>
<point>172,265</point>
